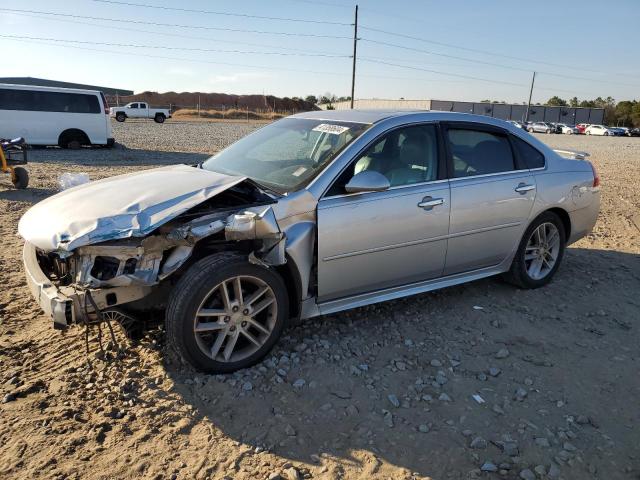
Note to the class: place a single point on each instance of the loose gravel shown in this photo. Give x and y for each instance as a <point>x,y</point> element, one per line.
<point>477,381</point>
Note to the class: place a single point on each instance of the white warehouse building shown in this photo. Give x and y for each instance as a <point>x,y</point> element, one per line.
<point>504,111</point>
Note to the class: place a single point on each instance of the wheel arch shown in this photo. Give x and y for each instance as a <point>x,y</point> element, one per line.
<point>292,280</point>
<point>289,271</point>
<point>73,132</point>
<point>566,220</point>
<point>564,217</point>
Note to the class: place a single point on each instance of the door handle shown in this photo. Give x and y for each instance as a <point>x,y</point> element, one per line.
<point>523,188</point>
<point>428,203</point>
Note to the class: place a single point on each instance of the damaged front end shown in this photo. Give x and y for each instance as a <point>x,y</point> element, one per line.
<point>78,285</point>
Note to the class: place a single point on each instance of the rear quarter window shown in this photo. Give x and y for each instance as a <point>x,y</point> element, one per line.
<point>529,156</point>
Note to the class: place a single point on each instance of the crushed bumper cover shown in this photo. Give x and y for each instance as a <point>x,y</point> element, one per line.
<point>66,305</point>
<point>55,304</point>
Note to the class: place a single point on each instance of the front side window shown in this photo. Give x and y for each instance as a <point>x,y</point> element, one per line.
<point>406,156</point>
<point>288,154</point>
<point>476,152</point>
<point>134,105</point>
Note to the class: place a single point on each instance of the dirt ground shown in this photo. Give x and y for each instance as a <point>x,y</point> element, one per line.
<point>379,392</point>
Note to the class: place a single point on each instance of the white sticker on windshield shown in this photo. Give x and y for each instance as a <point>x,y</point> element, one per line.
<point>328,128</point>
<point>299,171</point>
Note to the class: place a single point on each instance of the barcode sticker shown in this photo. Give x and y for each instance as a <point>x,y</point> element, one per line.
<point>329,128</point>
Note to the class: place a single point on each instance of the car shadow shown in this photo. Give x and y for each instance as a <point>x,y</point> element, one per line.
<point>328,390</point>
<point>27,195</point>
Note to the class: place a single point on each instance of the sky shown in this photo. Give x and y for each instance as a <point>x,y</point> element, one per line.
<point>450,50</point>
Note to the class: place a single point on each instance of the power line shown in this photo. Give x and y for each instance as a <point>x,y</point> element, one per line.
<point>190,60</point>
<point>177,35</point>
<point>429,52</point>
<point>482,62</point>
<point>475,50</point>
<point>182,59</point>
<point>164,47</point>
<point>229,14</point>
<point>366,59</point>
<point>176,25</point>
<point>260,67</point>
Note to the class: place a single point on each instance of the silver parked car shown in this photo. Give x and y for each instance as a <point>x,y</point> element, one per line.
<point>541,127</point>
<point>316,213</point>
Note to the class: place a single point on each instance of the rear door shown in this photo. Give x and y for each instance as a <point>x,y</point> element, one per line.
<point>375,240</point>
<point>492,194</point>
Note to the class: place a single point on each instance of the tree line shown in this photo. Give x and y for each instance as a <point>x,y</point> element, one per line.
<point>624,113</point>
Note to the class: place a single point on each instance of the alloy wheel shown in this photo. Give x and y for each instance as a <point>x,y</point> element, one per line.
<point>542,250</point>
<point>235,318</point>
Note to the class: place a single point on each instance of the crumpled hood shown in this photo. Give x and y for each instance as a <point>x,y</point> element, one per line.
<point>130,205</point>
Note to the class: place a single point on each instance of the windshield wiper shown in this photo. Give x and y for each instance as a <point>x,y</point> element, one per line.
<point>262,186</point>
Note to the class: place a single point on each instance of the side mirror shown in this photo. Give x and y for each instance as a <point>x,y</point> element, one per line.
<point>367,181</point>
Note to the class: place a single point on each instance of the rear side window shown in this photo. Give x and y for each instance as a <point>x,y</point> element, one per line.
<point>41,101</point>
<point>478,152</point>
<point>528,155</point>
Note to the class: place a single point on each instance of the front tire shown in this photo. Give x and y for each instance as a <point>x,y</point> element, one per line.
<point>226,313</point>
<point>540,252</point>
<point>120,117</point>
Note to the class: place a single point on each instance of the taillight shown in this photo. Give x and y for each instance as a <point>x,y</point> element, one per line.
<point>596,177</point>
<point>104,102</point>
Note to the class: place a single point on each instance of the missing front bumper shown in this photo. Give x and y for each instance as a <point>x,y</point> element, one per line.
<point>67,305</point>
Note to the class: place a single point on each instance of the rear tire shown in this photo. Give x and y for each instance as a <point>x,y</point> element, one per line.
<point>159,118</point>
<point>73,139</point>
<point>203,322</point>
<point>120,117</point>
<point>20,178</point>
<point>532,266</point>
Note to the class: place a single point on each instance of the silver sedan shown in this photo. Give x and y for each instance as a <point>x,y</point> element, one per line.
<point>314,214</point>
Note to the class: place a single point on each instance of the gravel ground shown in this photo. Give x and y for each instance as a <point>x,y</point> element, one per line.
<point>378,392</point>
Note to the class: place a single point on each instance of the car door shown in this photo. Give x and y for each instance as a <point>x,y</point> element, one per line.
<point>143,110</point>
<point>374,240</point>
<point>492,195</point>
<point>133,111</point>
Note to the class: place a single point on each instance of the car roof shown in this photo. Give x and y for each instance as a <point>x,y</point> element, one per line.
<point>12,86</point>
<point>375,116</point>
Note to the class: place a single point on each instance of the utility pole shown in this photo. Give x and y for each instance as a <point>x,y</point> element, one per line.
<point>355,48</point>
<point>533,80</point>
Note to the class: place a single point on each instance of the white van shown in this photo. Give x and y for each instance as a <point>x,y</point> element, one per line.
<point>67,117</point>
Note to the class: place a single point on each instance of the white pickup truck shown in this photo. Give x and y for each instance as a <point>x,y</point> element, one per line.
<point>140,110</point>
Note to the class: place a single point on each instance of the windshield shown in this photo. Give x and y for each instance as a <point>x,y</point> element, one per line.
<point>288,154</point>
